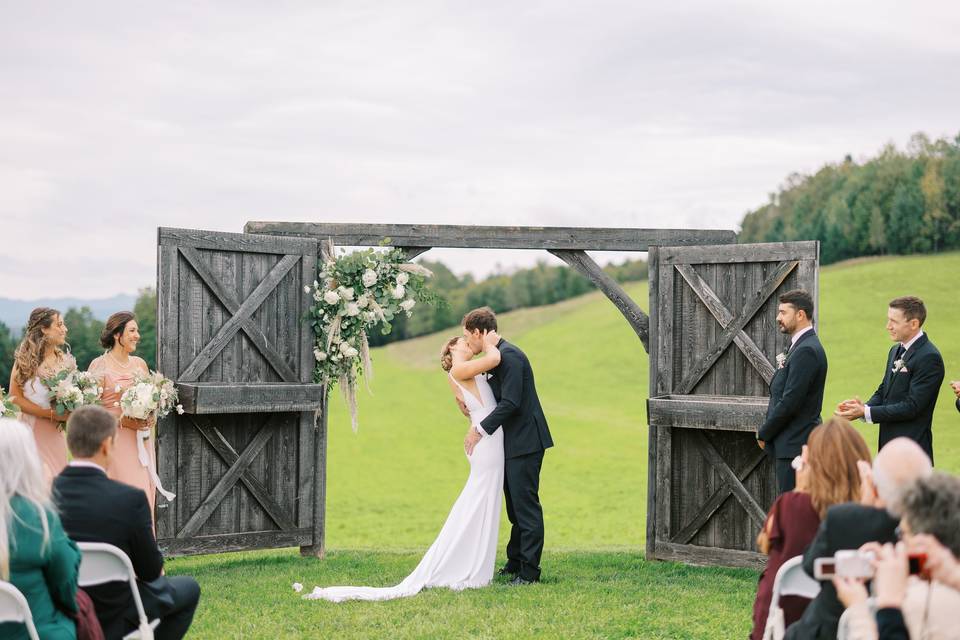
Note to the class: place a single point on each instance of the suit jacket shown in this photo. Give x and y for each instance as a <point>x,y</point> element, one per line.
<point>796,396</point>
<point>846,526</point>
<point>95,508</point>
<point>518,408</point>
<point>904,402</point>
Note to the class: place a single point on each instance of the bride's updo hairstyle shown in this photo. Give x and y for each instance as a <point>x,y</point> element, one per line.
<point>446,355</point>
<point>30,352</point>
<point>114,328</point>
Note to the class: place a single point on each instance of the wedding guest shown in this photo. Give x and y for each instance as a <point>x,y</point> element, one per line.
<point>117,369</point>
<point>851,525</point>
<point>827,476</point>
<point>41,355</point>
<point>95,508</point>
<point>921,606</point>
<point>36,555</point>
<point>955,385</point>
<point>796,391</point>
<point>904,402</point>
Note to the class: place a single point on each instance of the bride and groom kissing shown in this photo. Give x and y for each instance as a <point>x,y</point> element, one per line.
<point>493,383</point>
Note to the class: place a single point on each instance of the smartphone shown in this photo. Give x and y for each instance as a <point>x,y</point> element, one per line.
<point>824,568</point>
<point>917,563</point>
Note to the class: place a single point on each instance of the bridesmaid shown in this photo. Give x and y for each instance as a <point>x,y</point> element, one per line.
<point>41,355</point>
<point>117,370</point>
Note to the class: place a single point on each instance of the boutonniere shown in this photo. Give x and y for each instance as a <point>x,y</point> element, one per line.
<point>781,360</point>
<point>899,366</point>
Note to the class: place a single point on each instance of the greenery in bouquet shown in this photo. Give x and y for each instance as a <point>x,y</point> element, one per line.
<point>70,389</point>
<point>150,394</point>
<point>354,294</point>
<point>7,408</point>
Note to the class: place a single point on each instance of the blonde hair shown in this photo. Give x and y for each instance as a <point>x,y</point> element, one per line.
<point>833,450</point>
<point>29,354</point>
<point>20,474</point>
<point>446,354</point>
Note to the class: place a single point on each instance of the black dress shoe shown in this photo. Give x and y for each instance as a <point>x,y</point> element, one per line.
<point>520,581</point>
<point>503,572</point>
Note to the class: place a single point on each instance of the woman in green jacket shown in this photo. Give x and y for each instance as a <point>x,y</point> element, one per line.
<point>36,556</point>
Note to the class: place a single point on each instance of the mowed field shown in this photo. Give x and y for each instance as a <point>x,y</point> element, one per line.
<point>391,484</point>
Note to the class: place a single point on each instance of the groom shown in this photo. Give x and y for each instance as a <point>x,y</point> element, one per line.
<point>525,437</point>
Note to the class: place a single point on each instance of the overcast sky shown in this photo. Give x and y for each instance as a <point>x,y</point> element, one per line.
<point>119,117</point>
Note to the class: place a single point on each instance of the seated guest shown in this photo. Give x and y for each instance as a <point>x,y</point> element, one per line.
<point>851,525</point>
<point>95,508</point>
<point>36,555</point>
<point>827,476</point>
<point>912,605</point>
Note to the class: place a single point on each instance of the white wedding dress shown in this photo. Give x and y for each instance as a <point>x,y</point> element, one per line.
<point>464,553</point>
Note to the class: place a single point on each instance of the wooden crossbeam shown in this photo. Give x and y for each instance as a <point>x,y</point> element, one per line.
<point>234,473</point>
<point>728,477</point>
<point>230,303</point>
<point>487,237</point>
<point>240,316</point>
<point>715,501</point>
<point>230,457</point>
<point>732,325</point>
<point>583,263</point>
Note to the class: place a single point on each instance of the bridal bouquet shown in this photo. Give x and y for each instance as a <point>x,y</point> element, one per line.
<point>149,394</point>
<point>7,408</point>
<point>353,294</point>
<point>70,389</point>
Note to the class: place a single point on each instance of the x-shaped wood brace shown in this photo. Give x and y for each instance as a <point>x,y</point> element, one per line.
<point>732,485</point>
<point>732,325</point>
<point>238,471</point>
<point>241,317</point>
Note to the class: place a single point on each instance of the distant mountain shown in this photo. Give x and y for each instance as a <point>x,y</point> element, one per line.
<point>14,313</point>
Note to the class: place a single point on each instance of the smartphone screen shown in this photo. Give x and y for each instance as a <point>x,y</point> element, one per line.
<point>824,568</point>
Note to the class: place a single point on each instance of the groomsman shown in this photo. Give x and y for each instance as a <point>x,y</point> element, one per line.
<point>796,391</point>
<point>904,402</point>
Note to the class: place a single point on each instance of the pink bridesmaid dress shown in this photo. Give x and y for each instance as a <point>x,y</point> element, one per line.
<point>125,465</point>
<point>51,439</point>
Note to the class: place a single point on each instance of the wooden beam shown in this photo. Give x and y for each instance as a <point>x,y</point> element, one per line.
<point>746,500</point>
<point>709,556</point>
<point>221,543</point>
<point>249,397</point>
<point>583,263</point>
<point>317,547</point>
<point>741,253</point>
<point>724,413</point>
<point>488,237</point>
<point>245,242</point>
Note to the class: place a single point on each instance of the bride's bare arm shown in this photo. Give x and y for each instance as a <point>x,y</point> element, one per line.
<point>489,360</point>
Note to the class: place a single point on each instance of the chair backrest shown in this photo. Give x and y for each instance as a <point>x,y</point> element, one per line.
<point>101,562</point>
<point>14,608</point>
<point>792,580</point>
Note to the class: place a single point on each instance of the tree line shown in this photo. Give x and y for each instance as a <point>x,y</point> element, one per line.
<point>502,292</point>
<point>899,202</point>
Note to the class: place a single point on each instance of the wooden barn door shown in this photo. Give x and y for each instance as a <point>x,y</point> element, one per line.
<point>243,459</point>
<point>714,342</point>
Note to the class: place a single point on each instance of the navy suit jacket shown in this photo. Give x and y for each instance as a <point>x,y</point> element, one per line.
<point>796,396</point>
<point>904,402</point>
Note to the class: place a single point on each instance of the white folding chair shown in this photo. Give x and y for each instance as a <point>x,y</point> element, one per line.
<point>791,580</point>
<point>105,563</point>
<point>14,608</point>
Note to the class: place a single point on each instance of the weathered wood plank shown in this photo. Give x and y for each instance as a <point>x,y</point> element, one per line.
<point>653,268</point>
<point>728,254</point>
<point>246,309</point>
<point>719,465</point>
<point>727,413</point>
<point>173,547</point>
<point>227,481</point>
<point>249,397</point>
<point>635,316</point>
<point>487,237</point>
<point>733,327</point>
<point>168,302</point>
<point>317,546</point>
<point>230,457</point>
<point>245,242</point>
<point>709,556</point>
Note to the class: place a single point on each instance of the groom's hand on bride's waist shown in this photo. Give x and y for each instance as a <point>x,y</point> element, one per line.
<point>470,441</point>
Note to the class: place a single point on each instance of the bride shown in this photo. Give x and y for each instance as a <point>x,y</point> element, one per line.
<point>463,555</point>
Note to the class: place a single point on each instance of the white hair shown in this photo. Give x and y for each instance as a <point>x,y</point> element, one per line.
<point>20,474</point>
<point>897,465</point>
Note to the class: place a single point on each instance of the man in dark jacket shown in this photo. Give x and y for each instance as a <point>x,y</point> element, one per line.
<point>796,391</point>
<point>525,438</point>
<point>94,508</point>
<point>904,402</point>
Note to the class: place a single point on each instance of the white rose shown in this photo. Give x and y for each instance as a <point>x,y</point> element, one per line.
<point>408,304</point>
<point>319,355</point>
<point>345,347</point>
<point>306,288</point>
<point>402,278</point>
<point>352,309</point>
<point>363,301</point>
<point>297,587</point>
<point>180,409</point>
<point>351,353</point>
<point>370,316</point>
<point>369,278</point>
<point>345,293</point>
<point>399,292</point>
<point>331,297</point>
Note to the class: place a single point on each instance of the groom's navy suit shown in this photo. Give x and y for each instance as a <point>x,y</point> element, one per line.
<point>525,437</point>
<point>904,402</point>
<point>796,396</point>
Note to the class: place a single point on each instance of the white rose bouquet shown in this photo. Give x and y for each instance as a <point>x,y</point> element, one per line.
<point>153,394</point>
<point>7,408</point>
<point>71,389</point>
<point>353,294</point>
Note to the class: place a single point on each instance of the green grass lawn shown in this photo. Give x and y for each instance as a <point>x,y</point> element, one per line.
<point>390,485</point>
